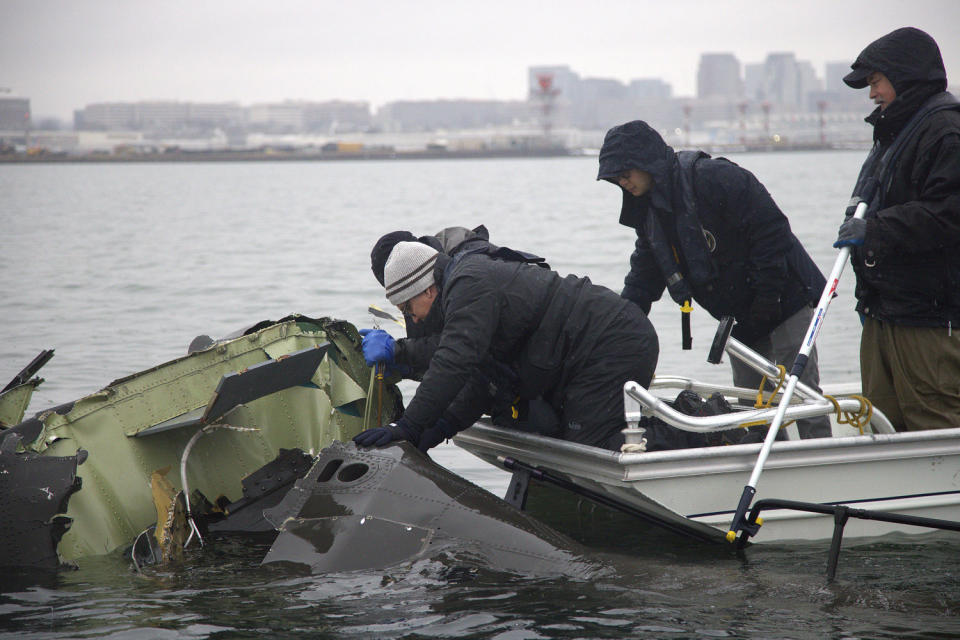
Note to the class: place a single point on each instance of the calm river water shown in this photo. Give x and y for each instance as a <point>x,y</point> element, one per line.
<point>118,267</point>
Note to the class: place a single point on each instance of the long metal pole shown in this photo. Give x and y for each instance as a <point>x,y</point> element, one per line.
<point>739,522</point>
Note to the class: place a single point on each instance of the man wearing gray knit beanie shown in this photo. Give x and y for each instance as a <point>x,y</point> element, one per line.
<point>569,342</point>
<point>492,390</point>
<point>408,276</point>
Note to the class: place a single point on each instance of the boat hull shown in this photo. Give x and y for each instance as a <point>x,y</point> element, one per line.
<point>914,473</point>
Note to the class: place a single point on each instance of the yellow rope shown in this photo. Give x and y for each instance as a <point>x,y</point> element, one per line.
<point>760,403</point>
<point>765,404</point>
<point>857,419</point>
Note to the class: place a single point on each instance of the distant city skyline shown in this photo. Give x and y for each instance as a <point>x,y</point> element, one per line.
<point>63,56</point>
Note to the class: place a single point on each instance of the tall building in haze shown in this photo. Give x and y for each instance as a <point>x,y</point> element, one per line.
<point>718,76</point>
<point>14,113</point>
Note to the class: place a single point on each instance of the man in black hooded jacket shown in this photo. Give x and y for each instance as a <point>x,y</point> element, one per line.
<point>417,348</point>
<point>492,390</point>
<point>906,250</point>
<point>570,342</point>
<point>708,231</point>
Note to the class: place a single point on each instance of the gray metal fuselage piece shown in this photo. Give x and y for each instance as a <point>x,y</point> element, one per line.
<point>361,509</point>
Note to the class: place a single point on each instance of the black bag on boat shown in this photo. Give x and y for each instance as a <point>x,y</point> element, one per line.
<point>663,437</point>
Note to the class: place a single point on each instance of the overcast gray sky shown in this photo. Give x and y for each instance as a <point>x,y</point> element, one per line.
<point>64,54</point>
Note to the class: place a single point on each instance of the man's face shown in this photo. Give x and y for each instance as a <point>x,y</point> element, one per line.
<point>635,181</point>
<point>881,91</point>
<point>417,307</point>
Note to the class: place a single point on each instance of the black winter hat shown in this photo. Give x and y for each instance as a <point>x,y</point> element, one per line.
<point>907,56</point>
<point>383,247</point>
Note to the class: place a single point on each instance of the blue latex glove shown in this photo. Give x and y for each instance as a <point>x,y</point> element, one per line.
<point>377,346</point>
<point>852,233</point>
<point>380,436</point>
<point>436,434</point>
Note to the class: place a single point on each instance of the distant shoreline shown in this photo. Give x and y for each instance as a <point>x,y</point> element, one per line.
<point>261,155</point>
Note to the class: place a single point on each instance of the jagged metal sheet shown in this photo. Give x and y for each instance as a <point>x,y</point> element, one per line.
<point>348,543</point>
<point>361,509</point>
<point>115,504</point>
<point>34,492</point>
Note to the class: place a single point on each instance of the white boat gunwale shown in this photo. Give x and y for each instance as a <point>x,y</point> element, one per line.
<point>631,477</point>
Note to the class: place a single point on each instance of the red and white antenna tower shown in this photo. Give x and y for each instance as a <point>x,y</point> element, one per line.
<point>546,95</point>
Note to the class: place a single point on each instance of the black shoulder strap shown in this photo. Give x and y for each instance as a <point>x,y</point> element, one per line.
<point>688,160</point>
<point>882,168</point>
<point>938,102</point>
<point>700,266</point>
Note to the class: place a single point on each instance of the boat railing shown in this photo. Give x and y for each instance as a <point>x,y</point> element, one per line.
<point>841,514</point>
<point>807,402</point>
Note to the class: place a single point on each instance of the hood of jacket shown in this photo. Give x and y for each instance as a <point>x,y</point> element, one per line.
<point>907,56</point>
<point>444,241</point>
<point>636,145</point>
<point>451,238</point>
<point>911,61</point>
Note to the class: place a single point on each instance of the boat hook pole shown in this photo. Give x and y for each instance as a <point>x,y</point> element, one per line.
<point>739,522</point>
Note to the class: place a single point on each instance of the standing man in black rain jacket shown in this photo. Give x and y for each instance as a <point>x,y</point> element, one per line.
<point>572,343</point>
<point>708,231</point>
<point>906,249</point>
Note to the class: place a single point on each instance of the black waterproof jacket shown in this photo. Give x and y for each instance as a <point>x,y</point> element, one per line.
<point>707,229</point>
<point>422,337</point>
<point>493,386</point>
<point>908,269</point>
<point>542,325</point>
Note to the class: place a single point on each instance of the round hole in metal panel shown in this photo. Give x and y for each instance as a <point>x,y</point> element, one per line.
<point>329,470</point>
<point>352,472</point>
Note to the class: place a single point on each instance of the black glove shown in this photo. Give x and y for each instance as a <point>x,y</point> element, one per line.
<point>852,233</point>
<point>436,434</point>
<point>380,436</point>
<point>764,312</point>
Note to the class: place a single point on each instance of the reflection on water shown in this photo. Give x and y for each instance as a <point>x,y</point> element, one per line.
<point>118,267</point>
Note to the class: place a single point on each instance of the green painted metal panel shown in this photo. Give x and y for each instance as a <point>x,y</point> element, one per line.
<point>14,403</point>
<point>115,503</point>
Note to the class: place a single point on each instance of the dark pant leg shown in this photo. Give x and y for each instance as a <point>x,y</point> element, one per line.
<point>592,400</point>
<point>912,374</point>
<point>877,362</point>
<point>781,347</point>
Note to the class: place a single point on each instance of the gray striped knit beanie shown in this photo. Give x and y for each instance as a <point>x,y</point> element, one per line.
<point>409,271</point>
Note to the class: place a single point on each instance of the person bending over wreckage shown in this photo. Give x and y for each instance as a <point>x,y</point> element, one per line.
<point>561,342</point>
<point>493,389</point>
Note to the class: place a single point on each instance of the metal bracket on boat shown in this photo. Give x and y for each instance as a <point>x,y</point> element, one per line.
<point>654,406</point>
<point>841,513</point>
<point>639,401</point>
<point>720,340</point>
<point>517,491</point>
